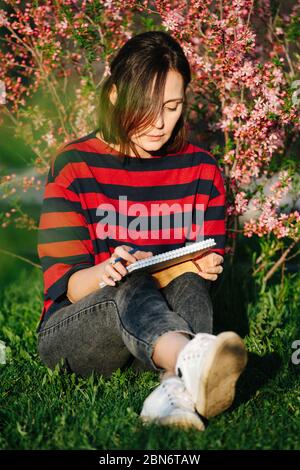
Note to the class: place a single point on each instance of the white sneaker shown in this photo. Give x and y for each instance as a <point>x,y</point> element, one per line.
<point>170,404</point>
<point>209,366</point>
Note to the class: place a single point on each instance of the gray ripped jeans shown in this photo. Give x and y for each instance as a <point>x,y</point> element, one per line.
<point>117,325</point>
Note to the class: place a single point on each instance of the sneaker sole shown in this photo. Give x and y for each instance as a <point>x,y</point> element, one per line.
<point>184,422</point>
<point>222,369</point>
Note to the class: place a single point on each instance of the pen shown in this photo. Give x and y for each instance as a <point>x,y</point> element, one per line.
<point>133,250</point>
<point>130,251</point>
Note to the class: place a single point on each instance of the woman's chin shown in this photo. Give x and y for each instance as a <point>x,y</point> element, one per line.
<point>149,146</point>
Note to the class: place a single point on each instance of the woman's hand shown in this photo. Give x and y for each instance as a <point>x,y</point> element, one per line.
<point>86,280</point>
<point>210,266</point>
<point>115,272</point>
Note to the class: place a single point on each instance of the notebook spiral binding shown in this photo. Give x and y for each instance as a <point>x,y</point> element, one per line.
<point>164,260</point>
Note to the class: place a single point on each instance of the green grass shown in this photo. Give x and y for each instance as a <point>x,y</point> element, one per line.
<point>45,409</point>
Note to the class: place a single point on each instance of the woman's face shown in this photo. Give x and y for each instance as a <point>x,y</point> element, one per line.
<point>166,121</point>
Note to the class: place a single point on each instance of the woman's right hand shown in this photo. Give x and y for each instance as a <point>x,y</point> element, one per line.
<point>118,270</point>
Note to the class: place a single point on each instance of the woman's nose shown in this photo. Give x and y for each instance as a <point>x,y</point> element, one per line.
<point>159,122</point>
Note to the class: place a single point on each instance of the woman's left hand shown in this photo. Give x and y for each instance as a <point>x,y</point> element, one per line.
<point>210,266</point>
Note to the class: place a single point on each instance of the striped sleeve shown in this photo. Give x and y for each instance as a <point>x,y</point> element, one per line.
<point>215,213</point>
<point>64,242</point>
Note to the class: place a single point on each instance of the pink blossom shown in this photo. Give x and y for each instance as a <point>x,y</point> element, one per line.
<point>3,18</point>
<point>241,203</point>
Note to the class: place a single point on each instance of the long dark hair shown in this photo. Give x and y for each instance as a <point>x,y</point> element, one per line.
<point>142,58</point>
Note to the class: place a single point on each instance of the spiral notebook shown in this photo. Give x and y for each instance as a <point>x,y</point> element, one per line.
<point>171,257</point>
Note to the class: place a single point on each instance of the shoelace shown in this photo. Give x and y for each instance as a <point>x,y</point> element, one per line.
<point>178,394</point>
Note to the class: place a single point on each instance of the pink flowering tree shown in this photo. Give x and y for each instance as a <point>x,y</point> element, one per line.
<point>244,57</point>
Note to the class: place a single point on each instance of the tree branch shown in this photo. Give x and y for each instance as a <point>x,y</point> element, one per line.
<point>280,260</point>
<point>21,258</point>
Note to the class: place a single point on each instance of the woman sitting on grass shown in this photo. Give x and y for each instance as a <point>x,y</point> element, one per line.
<point>138,155</point>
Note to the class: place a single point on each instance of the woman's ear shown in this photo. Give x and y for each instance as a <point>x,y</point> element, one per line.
<point>113,94</point>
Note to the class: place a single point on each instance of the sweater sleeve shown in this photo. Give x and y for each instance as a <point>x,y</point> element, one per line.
<point>64,242</point>
<point>215,213</point>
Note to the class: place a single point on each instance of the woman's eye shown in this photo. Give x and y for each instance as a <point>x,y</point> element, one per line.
<point>172,109</point>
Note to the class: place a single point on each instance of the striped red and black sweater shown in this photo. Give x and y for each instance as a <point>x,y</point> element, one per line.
<point>96,199</point>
